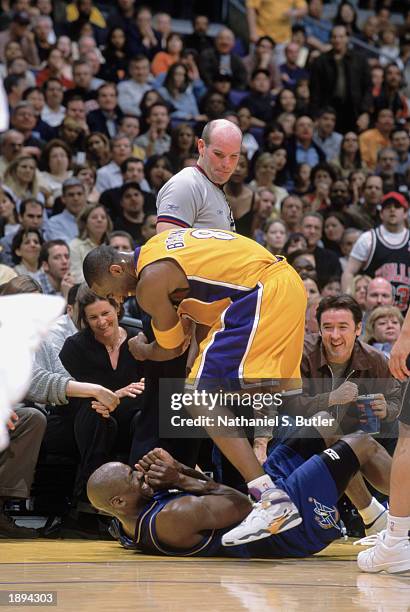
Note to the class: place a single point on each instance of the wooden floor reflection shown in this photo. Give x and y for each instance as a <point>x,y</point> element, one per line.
<point>101,576</point>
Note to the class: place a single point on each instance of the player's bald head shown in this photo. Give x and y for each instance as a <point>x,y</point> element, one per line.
<point>221,129</point>
<point>106,482</point>
<point>98,261</point>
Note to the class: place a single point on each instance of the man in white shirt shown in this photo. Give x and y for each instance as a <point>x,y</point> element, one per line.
<point>53,112</point>
<point>385,251</point>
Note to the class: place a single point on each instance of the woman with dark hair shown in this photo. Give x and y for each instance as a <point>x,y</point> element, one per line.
<point>302,184</point>
<point>213,105</point>
<point>177,92</point>
<point>263,57</point>
<point>333,229</point>
<point>150,97</point>
<point>295,242</point>
<point>25,250</point>
<point>115,54</point>
<point>357,181</point>
<point>87,174</point>
<point>280,159</point>
<point>285,102</point>
<point>322,177</point>
<point>9,222</point>
<point>54,67</point>
<point>347,16</point>
<point>273,136</point>
<point>163,60</point>
<point>99,354</point>
<point>97,149</point>
<point>183,145</point>
<point>158,171</point>
<point>302,92</point>
<point>56,164</point>
<point>349,157</point>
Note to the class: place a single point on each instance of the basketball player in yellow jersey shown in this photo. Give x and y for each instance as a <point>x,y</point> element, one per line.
<point>254,306</point>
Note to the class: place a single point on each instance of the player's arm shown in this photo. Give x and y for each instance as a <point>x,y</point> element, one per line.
<point>401,351</point>
<point>182,522</point>
<point>162,471</point>
<point>162,476</point>
<point>155,286</point>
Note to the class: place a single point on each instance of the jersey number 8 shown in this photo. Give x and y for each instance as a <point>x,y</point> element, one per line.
<point>218,234</point>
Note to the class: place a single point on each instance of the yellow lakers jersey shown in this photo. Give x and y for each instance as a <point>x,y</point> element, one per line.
<point>218,264</point>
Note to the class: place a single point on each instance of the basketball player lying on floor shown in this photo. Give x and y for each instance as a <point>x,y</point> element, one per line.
<point>252,304</point>
<point>154,518</point>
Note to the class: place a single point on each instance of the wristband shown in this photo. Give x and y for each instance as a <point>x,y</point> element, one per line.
<point>170,338</point>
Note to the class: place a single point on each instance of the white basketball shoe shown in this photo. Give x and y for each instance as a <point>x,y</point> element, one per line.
<point>383,558</point>
<point>273,514</point>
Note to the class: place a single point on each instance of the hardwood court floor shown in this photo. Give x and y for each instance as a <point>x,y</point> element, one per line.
<point>101,576</point>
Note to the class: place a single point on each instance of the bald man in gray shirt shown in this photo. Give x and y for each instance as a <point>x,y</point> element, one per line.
<point>194,197</point>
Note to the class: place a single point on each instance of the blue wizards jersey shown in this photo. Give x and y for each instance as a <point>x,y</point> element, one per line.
<point>308,483</point>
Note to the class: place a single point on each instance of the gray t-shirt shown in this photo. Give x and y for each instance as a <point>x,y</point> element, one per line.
<point>190,199</point>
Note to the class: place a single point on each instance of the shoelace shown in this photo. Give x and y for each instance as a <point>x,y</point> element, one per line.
<point>371,540</point>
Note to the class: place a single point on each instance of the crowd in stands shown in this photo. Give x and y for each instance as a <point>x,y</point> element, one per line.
<point>107,103</point>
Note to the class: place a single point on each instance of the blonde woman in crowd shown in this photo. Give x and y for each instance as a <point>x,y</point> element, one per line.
<point>94,225</point>
<point>383,327</point>
<point>358,290</point>
<point>21,178</point>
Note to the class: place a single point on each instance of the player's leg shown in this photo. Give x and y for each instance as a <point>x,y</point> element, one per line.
<point>316,486</point>
<point>377,472</point>
<point>391,552</point>
<point>220,358</point>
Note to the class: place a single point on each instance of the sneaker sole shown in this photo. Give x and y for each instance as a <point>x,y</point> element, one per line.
<point>279,526</point>
<point>391,568</point>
